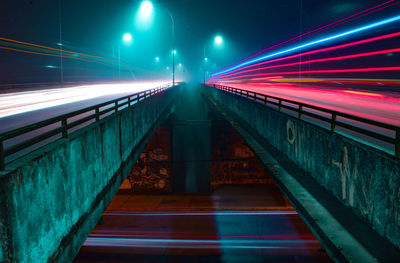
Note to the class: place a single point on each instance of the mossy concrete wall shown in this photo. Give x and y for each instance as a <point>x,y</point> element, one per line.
<point>361,177</point>
<point>51,200</point>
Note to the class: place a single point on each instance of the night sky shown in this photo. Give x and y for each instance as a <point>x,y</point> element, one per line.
<point>95,27</point>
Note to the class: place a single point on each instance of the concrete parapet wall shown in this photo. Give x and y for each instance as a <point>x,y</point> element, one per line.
<point>52,199</point>
<point>361,177</point>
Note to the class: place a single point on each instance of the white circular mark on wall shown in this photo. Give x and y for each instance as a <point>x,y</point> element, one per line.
<point>290,131</point>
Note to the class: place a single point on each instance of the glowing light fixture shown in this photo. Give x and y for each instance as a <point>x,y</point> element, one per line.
<point>146,9</point>
<point>174,52</point>
<point>218,40</point>
<point>157,59</point>
<point>127,38</point>
<point>145,16</point>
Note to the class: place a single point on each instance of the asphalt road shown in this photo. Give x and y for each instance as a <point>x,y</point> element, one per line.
<point>251,223</point>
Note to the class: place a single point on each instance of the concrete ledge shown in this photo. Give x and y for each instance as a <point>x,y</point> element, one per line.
<point>52,199</point>
<point>345,236</point>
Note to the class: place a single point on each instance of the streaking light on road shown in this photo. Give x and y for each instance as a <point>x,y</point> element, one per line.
<point>313,43</point>
<point>21,102</point>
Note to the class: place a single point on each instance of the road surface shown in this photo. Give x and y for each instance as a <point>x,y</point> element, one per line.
<point>233,224</point>
<point>22,108</point>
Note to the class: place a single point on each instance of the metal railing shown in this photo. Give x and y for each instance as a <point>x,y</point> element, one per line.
<point>331,116</point>
<point>92,113</point>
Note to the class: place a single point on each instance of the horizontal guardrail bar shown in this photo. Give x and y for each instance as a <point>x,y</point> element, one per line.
<point>298,107</point>
<point>95,113</point>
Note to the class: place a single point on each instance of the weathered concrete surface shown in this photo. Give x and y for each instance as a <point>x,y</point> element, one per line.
<point>361,177</point>
<point>51,200</point>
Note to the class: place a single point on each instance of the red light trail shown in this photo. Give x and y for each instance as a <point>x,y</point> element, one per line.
<point>364,41</point>
<point>318,60</point>
<point>328,71</point>
<point>322,28</point>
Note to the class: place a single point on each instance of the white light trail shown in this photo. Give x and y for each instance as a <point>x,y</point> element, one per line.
<point>21,102</point>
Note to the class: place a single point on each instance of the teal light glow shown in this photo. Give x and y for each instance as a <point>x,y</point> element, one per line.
<point>218,40</point>
<point>145,16</point>
<point>127,38</point>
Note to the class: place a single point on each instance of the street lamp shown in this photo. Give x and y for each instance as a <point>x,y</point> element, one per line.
<point>218,42</point>
<point>127,39</point>
<point>146,11</point>
<point>61,43</point>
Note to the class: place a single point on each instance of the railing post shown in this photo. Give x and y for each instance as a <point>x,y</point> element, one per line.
<point>116,106</point>
<point>280,105</point>
<point>97,113</point>
<point>129,101</point>
<point>397,145</point>
<point>333,122</point>
<point>64,128</point>
<point>2,157</point>
<point>300,110</point>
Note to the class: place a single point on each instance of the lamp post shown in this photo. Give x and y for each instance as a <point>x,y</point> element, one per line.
<point>145,11</point>
<point>205,64</point>
<point>173,43</point>
<point>61,43</point>
<point>127,39</point>
<point>218,41</point>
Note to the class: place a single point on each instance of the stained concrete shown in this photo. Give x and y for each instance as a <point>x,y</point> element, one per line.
<point>51,200</point>
<point>362,178</point>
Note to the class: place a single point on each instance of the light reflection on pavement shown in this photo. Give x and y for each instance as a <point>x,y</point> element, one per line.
<point>234,223</point>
